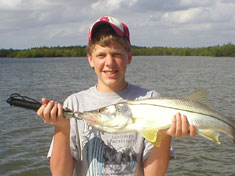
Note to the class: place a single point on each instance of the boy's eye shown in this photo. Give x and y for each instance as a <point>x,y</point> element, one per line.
<point>117,54</point>
<point>100,55</point>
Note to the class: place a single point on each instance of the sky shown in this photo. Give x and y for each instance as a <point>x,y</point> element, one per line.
<point>169,23</point>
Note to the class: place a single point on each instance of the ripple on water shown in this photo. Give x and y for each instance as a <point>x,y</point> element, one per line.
<point>25,139</point>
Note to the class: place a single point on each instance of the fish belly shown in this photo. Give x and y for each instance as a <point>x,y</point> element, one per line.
<point>151,117</point>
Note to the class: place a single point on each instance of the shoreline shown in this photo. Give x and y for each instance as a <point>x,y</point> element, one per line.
<point>226,50</point>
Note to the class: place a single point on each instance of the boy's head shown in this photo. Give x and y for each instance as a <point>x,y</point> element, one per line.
<point>107,31</point>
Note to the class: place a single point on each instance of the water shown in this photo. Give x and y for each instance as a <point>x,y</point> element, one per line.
<point>25,139</point>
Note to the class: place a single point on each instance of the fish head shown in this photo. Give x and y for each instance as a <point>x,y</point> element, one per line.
<point>100,115</point>
<point>109,118</point>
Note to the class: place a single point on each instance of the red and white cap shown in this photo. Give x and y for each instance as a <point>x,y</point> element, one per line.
<point>119,27</point>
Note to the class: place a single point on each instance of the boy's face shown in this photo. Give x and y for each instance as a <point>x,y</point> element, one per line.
<point>110,65</point>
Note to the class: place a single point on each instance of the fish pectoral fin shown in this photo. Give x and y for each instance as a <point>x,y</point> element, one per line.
<point>209,134</point>
<point>117,123</point>
<point>152,136</point>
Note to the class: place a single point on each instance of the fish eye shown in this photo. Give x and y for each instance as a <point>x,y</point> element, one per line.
<point>100,110</point>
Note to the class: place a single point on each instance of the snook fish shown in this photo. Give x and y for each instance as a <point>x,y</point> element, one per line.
<point>151,115</point>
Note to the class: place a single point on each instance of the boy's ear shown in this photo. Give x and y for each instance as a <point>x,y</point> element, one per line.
<point>90,60</point>
<point>129,57</point>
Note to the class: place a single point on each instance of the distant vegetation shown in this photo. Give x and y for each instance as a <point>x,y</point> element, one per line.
<point>73,51</point>
<point>227,50</point>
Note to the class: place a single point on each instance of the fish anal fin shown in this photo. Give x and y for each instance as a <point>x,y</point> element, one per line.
<point>200,96</point>
<point>152,136</point>
<point>209,134</point>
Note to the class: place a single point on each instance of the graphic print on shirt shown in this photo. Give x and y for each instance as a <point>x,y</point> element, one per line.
<point>109,157</point>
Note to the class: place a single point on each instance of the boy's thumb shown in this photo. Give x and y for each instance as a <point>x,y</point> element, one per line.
<point>45,100</point>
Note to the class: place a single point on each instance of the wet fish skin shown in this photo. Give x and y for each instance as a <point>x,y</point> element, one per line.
<point>151,115</point>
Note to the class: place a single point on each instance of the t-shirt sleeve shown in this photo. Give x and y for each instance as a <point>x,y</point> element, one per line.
<point>50,149</point>
<point>147,149</point>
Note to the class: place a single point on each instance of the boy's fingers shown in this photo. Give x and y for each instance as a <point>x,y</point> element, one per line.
<point>185,126</point>
<point>178,125</point>
<point>47,111</point>
<point>60,111</point>
<point>45,100</point>
<point>192,131</point>
<point>53,113</point>
<point>40,110</point>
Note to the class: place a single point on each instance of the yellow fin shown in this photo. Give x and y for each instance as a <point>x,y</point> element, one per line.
<point>152,136</point>
<point>200,96</point>
<point>158,140</point>
<point>209,134</point>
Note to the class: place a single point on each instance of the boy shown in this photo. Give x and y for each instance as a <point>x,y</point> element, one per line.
<point>83,150</point>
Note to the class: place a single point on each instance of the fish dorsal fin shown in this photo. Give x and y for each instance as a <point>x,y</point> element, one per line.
<point>200,96</point>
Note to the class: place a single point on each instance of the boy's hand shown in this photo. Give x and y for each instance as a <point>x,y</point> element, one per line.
<point>52,113</point>
<point>180,127</point>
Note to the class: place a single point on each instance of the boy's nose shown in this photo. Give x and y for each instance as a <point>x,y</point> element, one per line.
<point>109,61</point>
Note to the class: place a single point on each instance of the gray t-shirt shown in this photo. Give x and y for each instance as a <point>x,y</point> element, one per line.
<point>100,153</point>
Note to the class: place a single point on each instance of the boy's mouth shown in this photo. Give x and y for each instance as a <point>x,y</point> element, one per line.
<point>111,73</point>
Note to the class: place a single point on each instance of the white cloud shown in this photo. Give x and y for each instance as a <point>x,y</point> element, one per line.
<point>187,16</point>
<point>8,4</point>
<point>112,5</point>
<point>198,3</point>
<point>33,23</point>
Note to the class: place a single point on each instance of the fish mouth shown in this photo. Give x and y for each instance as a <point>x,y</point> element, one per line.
<point>91,118</point>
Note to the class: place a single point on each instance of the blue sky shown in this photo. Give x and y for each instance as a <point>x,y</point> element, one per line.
<point>171,23</point>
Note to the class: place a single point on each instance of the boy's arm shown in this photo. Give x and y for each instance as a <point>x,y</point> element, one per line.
<point>61,161</point>
<point>158,161</point>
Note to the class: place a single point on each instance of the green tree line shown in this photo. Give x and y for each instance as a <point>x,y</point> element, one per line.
<point>226,50</point>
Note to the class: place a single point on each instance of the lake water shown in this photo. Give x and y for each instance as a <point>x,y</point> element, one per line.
<point>25,139</point>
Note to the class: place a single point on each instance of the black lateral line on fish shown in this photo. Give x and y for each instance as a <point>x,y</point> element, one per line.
<point>186,111</point>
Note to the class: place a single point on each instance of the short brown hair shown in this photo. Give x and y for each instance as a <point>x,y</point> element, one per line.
<point>104,36</point>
